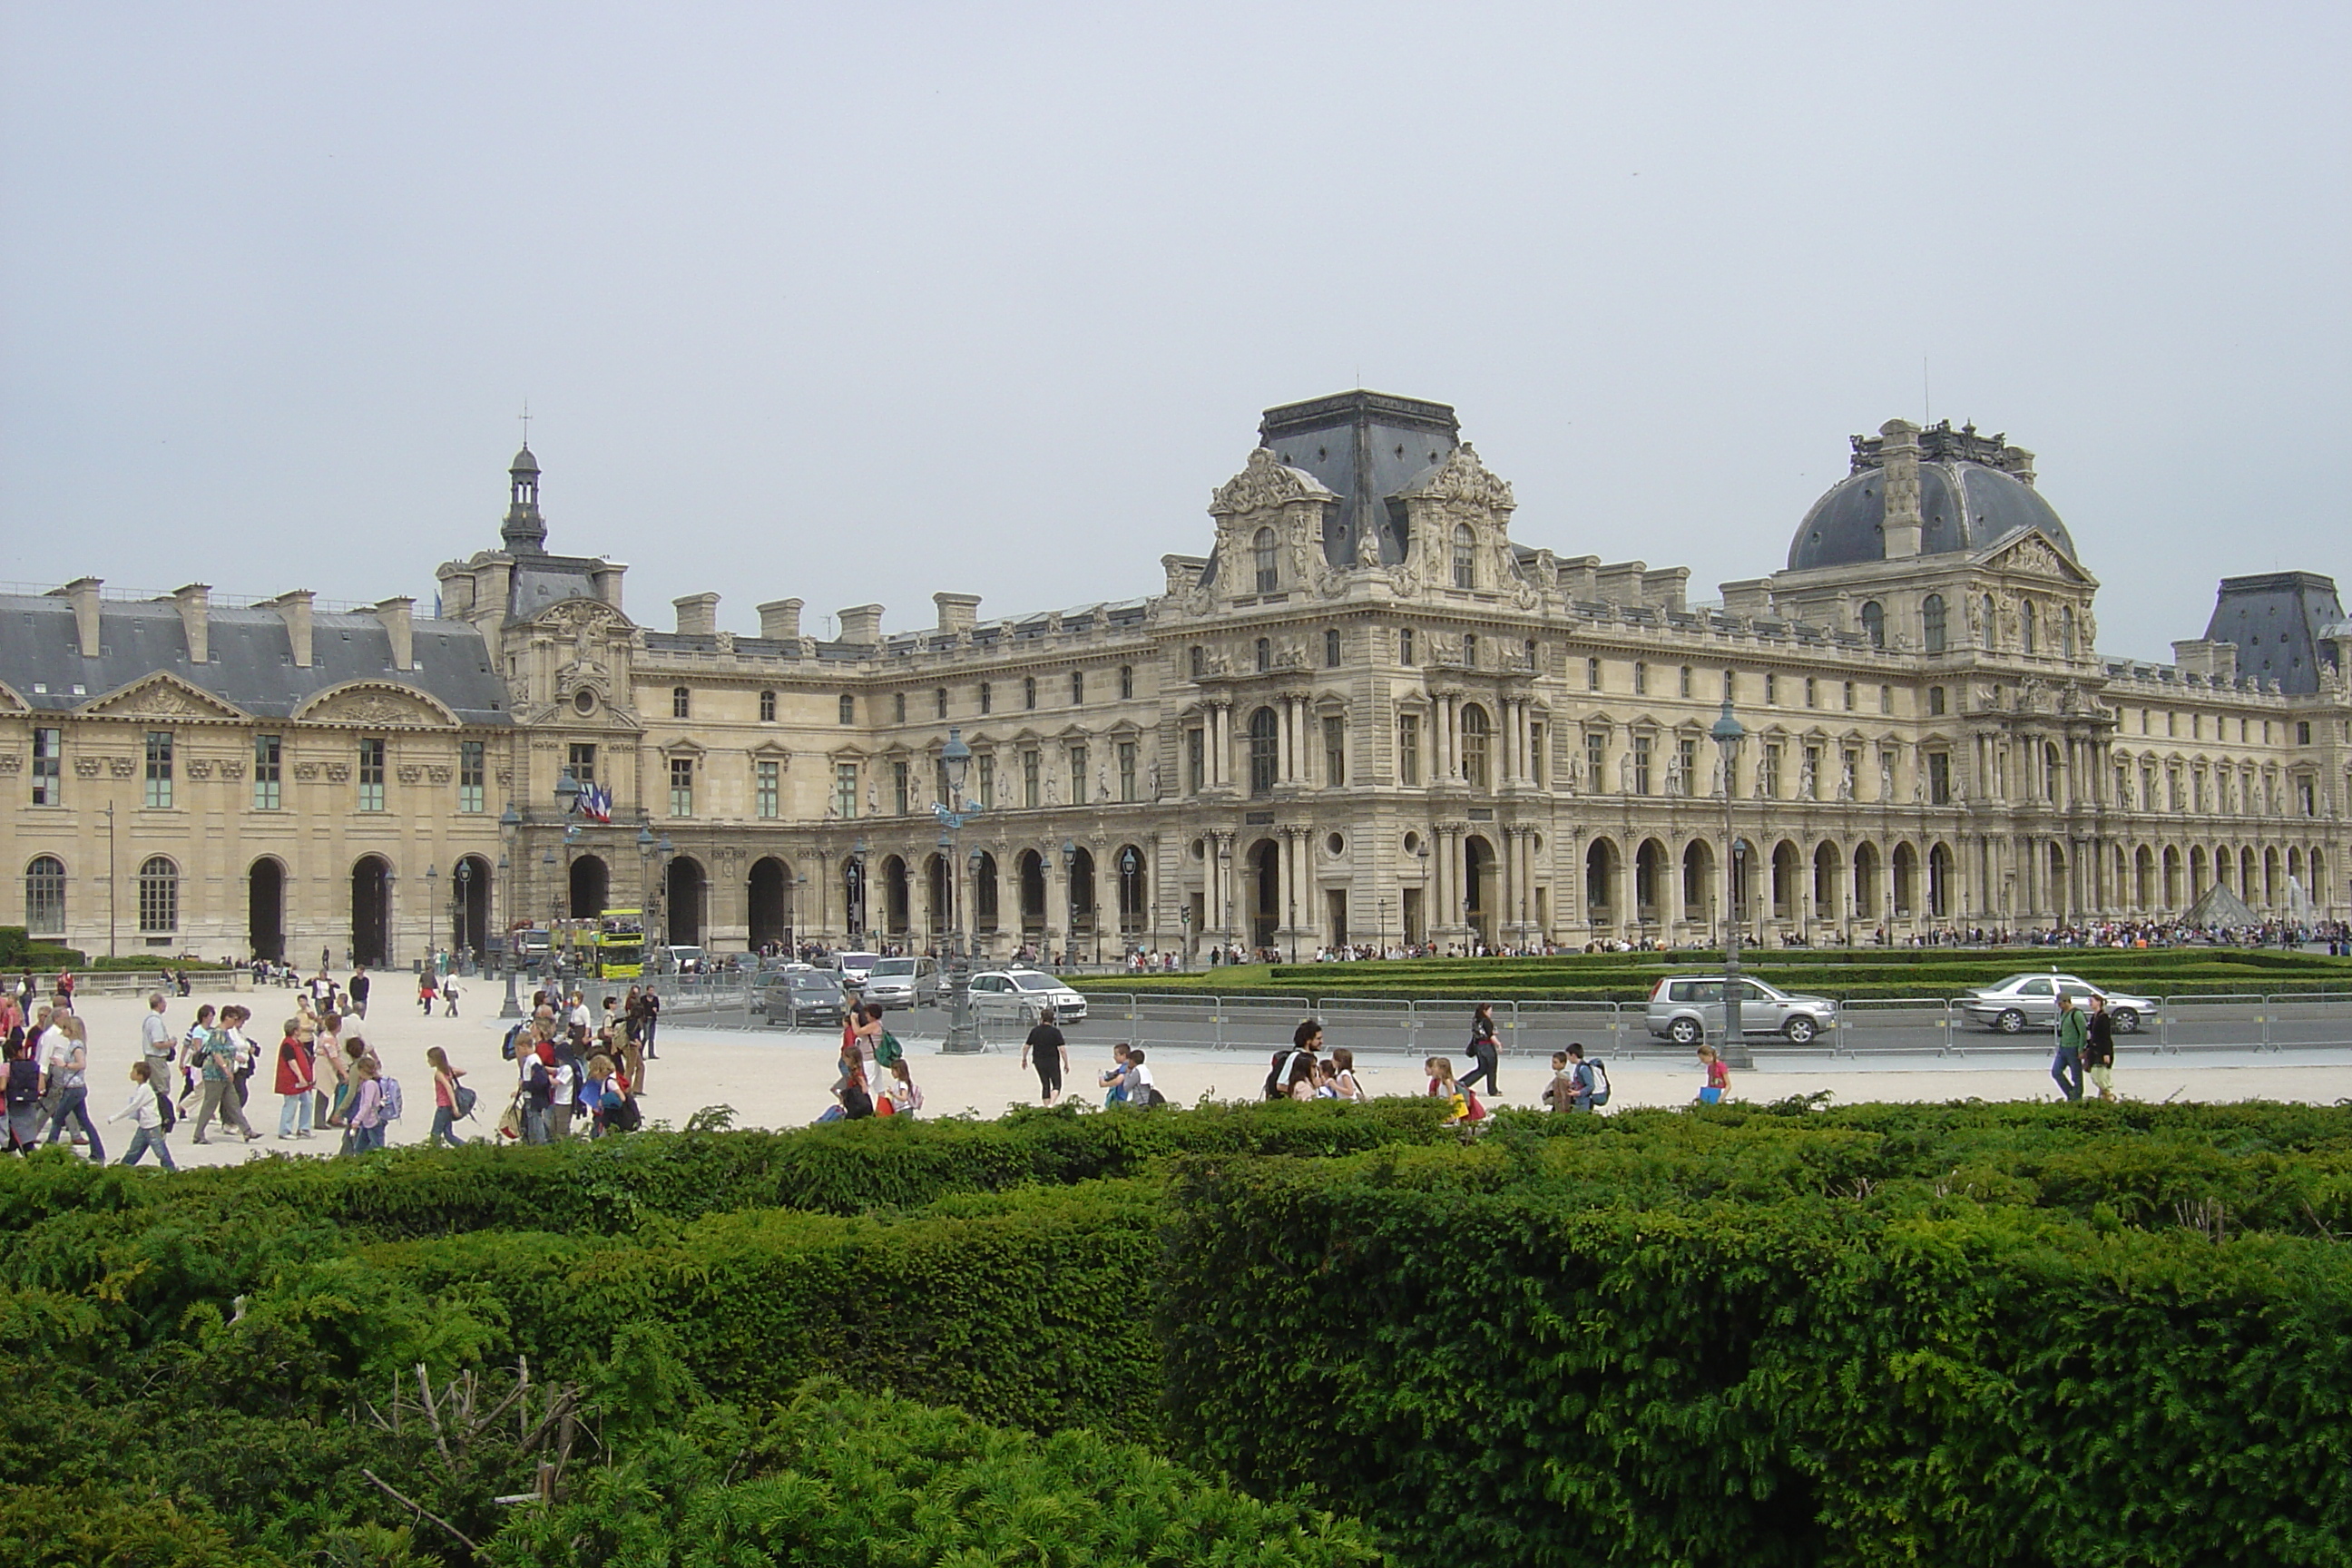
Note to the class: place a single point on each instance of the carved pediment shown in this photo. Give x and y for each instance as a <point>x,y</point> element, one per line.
<point>377,705</point>
<point>9,702</point>
<point>2033,556</point>
<point>1264,484</point>
<point>161,696</point>
<point>1462,478</point>
<point>569,617</point>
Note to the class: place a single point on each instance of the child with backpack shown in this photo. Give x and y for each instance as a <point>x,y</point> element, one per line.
<point>1462,1105</point>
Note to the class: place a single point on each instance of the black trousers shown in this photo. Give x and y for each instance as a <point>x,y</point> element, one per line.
<point>1485,1068</point>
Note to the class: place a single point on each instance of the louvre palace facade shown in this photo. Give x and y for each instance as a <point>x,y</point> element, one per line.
<point>1367,713</point>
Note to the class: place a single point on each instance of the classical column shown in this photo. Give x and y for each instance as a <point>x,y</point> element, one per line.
<point>1285,769</point>
<point>1220,743</point>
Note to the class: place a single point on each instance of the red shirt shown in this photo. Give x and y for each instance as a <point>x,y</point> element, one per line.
<point>293,1067</point>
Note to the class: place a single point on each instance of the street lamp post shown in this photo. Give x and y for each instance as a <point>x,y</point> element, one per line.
<point>509,824</point>
<point>431,887</point>
<point>1729,733</point>
<point>461,883</point>
<point>955,758</point>
<point>859,893</point>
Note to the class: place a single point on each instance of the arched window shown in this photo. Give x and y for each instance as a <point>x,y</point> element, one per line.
<point>1126,686</point>
<point>848,709</point>
<point>1931,622</point>
<point>1475,733</point>
<point>1873,623</point>
<point>1470,649</point>
<point>1264,752</point>
<point>1264,654</point>
<point>159,896</point>
<point>767,707</point>
<point>2066,630</point>
<point>1028,692</point>
<point>1465,556</point>
<point>681,703</point>
<point>45,897</point>
<point>1331,647</point>
<point>2026,621</point>
<point>1268,576</point>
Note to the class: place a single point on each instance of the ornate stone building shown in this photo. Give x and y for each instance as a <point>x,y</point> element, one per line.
<point>1366,714</point>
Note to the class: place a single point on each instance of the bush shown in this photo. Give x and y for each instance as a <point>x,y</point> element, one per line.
<point>1507,1365</point>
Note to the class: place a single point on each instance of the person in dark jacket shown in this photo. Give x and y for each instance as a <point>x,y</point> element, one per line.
<point>1483,1049</point>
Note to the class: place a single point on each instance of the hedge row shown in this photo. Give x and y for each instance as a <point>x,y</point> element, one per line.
<point>1523,1373</point>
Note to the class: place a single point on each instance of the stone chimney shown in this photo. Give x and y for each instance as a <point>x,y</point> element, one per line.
<point>1667,588</point>
<point>697,615</point>
<point>1898,452</point>
<point>1620,584</point>
<point>780,619</point>
<point>84,593</point>
<point>607,576</point>
<point>2224,667</point>
<point>1580,578</point>
<point>958,612</point>
<point>1748,597</point>
<point>195,601</point>
<point>399,619</point>
<point>861,625</point>
<point>294,608</point>
<point>2193,655</point>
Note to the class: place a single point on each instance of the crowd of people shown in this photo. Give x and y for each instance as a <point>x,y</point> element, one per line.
<point>876,1078</point>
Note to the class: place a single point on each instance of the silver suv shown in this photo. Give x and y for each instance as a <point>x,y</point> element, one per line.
<point>904,982</point>
<point>1688,1008</point>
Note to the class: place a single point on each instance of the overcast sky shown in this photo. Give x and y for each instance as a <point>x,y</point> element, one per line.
<point>861,303</point>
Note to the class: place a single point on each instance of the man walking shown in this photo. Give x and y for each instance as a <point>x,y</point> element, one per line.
<point>155,1046</point>
<point>359,989</point>
<point>2072,1034</point>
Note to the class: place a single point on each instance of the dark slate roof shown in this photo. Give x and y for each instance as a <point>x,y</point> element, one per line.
<point>2277,620</point>
<point>543,580</point>
<point>1962,506</point>
<point>252,663</point>
<point>1366,447</point>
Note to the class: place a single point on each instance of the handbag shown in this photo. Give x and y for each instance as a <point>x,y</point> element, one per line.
<point>465,1099</point>
<point>510,1123</point>
<point>1711,1095</point>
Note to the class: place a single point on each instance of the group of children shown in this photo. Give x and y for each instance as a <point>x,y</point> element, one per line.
<point>876,1078</point>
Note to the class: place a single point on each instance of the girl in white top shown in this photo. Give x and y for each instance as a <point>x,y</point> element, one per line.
<point>146,1118</point>
<point>1343,1076</point>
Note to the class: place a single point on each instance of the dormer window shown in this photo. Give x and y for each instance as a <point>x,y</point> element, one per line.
<point>1262,547</point>
<point>1465,556</point>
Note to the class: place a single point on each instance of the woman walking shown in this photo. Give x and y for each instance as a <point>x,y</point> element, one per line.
<point>23,1093</point>
<point>296,1079</point>
<point>2099,1048</point>
<point>1050,1053</point>
<point>444,1099</point>
<point>1483,1049</point>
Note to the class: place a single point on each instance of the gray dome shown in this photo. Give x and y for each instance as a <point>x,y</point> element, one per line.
<point>524,463</point>
<point>1962,506</point>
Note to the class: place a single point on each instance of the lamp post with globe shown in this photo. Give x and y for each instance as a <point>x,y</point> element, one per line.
<point>955,761</point>
<point>1729,733</point>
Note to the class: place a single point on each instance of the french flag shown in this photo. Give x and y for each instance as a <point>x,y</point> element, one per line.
<point>597,803</point>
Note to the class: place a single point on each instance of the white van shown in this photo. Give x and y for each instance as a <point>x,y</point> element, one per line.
<point>904,982</point>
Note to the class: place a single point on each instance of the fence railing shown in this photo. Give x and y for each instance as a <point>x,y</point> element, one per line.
<point>1881,1026</point>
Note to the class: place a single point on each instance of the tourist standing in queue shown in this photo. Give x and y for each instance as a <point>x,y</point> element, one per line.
<point>2099,1048</point>
<point>2066,1066</point>
<point>1482,1050</point>
<point>1049,1053</point>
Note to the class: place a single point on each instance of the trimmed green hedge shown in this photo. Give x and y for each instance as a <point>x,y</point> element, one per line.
<point>1508,1363</point>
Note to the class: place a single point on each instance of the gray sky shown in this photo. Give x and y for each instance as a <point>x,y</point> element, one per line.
<point>859,303</point>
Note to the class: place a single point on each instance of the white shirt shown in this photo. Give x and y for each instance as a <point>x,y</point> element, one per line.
<point>57,1053</point>
<point>155,1034</point>
<point>140,1108</point>
<point>578,1018</point>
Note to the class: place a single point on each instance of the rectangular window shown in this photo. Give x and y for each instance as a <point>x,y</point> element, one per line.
<point>268,771</point>
<point>939,703</point>
<point>159,770</point>
<point>681,787</point>
<point>1686,687</point>
<point>1196,762</point>
<point>1640,763</point>
<point>848,708</point>
<point>1126,772</point>
<point>1405,647</point>
<point>471,776</point>
<point>1127,683</point>
<point>2302,731</point>
<point>1940,778</point>
<point>987,782</point>
<point>767,707</point>
<point>766,789</point>
<point>1028,692</point>
<point>1032,764</point>
<point>1596,761</point>
<point>1812,692</point>
<point>1078,688</point>
<point>845,790</point>
<point>371,776</point>
<point>1538,771</point>
<point>1936,701</point>
<point>1335,752</point>
<point>902,787</point>
<point>987,698</point>
<point>1886,699</point>
<point>681,703</point>
<point>1331,647</point>
<point>1771,769</point>
<point>1592,675</point>
<point>1078,775</point>
<point>1409,749</point>
<point>1771,689</point>
<point>581,762</point>
<point>1640,678</point>
<point>897,707</point>
<point>1849,696</point>
<point>1813,771</point>
<point>48,766</point>
<point>1686,752</point>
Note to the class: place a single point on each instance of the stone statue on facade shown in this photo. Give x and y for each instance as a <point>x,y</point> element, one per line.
<point>1675,779</point>
<point>1808,780</point>
<point>1625,774</point>
<point>1845,782</point>
<point>1102,781</point>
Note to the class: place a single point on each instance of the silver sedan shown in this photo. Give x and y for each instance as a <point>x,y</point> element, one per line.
<point>2013,1004</point>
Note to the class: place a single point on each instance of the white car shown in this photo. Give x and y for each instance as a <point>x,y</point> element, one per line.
<point>854,967</point>
<point>1024,994</point>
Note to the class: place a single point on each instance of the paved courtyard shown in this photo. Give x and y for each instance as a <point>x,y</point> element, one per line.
<point>777,1080</point>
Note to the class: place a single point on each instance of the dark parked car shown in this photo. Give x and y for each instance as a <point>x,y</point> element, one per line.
<point>801,996</point>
